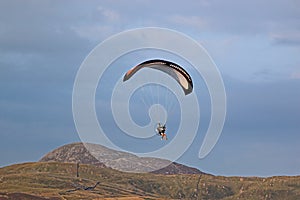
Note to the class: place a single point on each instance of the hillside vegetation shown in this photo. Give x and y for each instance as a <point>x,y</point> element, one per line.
<point>53,181</point>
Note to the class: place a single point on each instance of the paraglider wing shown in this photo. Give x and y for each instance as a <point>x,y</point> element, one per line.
<point>170,68</point>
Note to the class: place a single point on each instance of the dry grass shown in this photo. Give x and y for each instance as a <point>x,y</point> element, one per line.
<point>59,181</point>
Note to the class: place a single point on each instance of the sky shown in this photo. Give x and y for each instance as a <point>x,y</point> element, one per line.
<point>255,45</point>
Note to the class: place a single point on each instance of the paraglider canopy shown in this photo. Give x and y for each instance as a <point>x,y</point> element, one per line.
<point>170,68</point>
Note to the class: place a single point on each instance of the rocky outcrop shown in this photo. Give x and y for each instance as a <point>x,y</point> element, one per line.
<point>176,168</point>
<point>104,157</point>
<point>73,153</point>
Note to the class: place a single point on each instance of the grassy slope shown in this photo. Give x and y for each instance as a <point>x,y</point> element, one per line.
<point>56,179</point>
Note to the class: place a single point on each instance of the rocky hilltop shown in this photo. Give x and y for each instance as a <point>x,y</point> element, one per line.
<point>123,161</point>
<point>72,153</point>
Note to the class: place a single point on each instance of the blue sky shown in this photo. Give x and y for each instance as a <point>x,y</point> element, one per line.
<point>255,44</point>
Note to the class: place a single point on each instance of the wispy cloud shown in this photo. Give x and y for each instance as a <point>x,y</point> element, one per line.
<point>42,44</point>
<point>295,75</point>
<point>109,14</point>
<point>187,21</point>
<point>286,38</point>
<point>94,32</point>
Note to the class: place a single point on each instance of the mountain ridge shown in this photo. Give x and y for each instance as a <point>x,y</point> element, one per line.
<point>122,161</point>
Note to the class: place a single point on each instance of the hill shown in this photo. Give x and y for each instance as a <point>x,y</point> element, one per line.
<point>122,161</point>
<point>54,180</point>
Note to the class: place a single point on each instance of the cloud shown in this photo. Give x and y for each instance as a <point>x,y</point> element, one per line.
<point>253,17</point>
<point>190,21</point>
<point>235,17</point>
<point>42,44</point>
<point>109,14</point>
<point>37,27</point>
<point>295,75</point>
<point>287,38</point>
<point>94,32</point>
